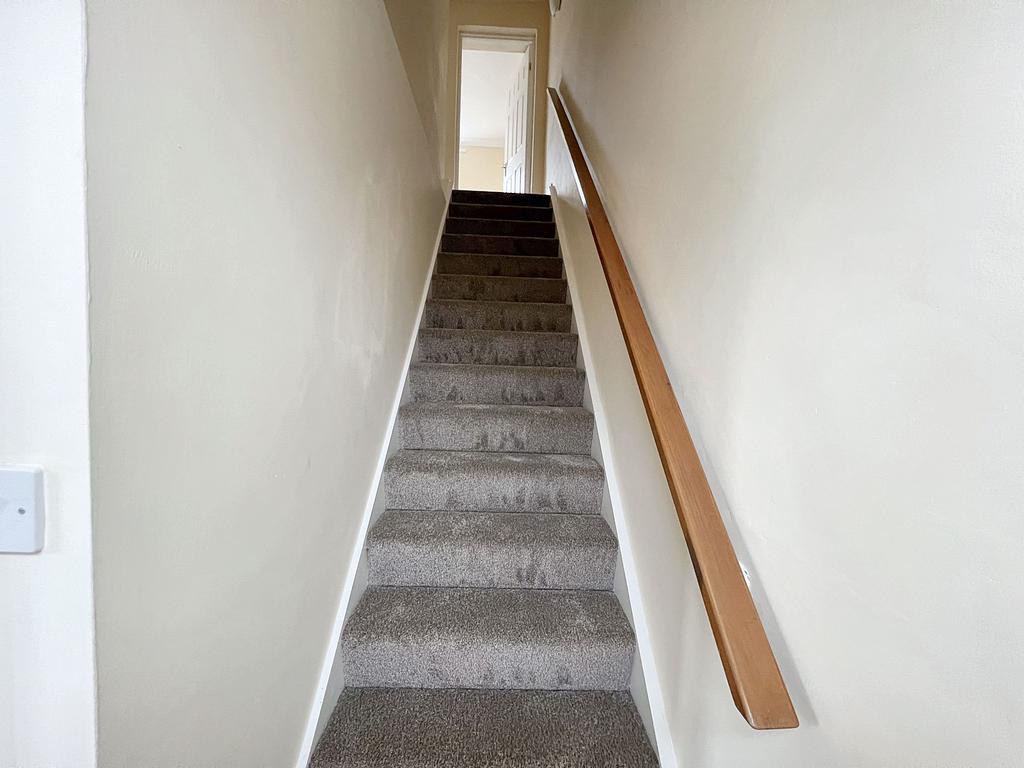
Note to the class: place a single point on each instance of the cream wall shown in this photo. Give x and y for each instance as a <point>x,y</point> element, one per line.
<point>420,28</point>
<point>521,14</point>
<point>480,168</point>
<point>262,211</point>
<point>820,206</point>
<point>47,682</point>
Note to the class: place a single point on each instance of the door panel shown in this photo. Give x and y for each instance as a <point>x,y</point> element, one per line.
<point>517,124</point>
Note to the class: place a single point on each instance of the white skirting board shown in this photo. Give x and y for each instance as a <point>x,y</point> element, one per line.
<point>652,711</point>
<point>330,683</point>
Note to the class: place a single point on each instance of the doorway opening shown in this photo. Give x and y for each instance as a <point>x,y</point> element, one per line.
<point>494,139</point>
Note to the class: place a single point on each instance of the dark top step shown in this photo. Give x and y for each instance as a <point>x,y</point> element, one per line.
<point>497,265</point>
<point>471,226</point>
<point>500,198</point>
<point>506,212</point>
<point>500,244</point>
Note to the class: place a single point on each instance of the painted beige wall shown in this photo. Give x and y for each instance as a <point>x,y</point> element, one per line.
<point>47,682</point>
<point>522,14</point>
<point>820,206</point>
<point>480,168</point>
<point>262,211</point>
<point>420,28</point>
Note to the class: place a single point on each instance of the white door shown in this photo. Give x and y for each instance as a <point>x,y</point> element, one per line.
<point>517,128</point>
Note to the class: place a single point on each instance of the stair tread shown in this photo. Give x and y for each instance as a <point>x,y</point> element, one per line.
<point>493,481</point>
<point>491,549</point>
<point>513,384</point>
<point>498,347</point>
<point>508,278</point>
<point>465,637</point>
<point>543,290</point>
<point>412,728</point>
<point>496,427</point>
<point>453,409</point>
<point>497,304</point>
<point>493,333</point>
<point>507,616</point>
<point>495,528</point>
<point>499,212</point>
<point>524,199</point>
<point>433,461</point>
<point>499,265</point>
<point>546,239</point>
<point>505,244</point>
<point>476,225</point>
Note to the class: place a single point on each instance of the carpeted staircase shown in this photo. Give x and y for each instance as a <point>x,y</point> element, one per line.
<point>488,635</point>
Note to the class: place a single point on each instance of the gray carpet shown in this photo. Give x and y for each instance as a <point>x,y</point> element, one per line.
<point>498,266</point>
<point>408,728</point>
<point>512,428</point>
<point>489,634</point>
<point>477,287</point>
<point>554,639</point>
<point>511,384</point>
<point>498,315</point>
<point>491,549</point>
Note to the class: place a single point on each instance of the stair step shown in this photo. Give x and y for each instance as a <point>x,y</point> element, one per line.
<point>503,266</point>
<point>421,637</point>
<point>506,212</point>
<point>502,244</point>
<point>481,197</point>
<point>478,287</point>
<point>491,549</point>
<point>412,728</point>
<point>498,315</point>
<point>477,481</point>
<point>456,345</point>
<point>476,226</point>
<point>514,384</point>
<point>509,428</point>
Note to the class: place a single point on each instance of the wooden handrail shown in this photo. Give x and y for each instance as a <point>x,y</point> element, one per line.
<point>750,667</point>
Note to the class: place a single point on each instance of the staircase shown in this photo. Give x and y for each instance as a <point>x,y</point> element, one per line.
<point>488,634</point>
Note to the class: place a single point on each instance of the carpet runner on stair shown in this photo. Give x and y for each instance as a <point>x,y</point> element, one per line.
<point>488,635</point>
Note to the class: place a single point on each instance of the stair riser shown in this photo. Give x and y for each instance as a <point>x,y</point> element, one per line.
<point>498,266</point>
<point>489,488</point>
<point>514,386</point>
<point>505,212</point>
<point>500,227</point>
<point>449,663</point>
<point>526,431</point>
<point>496,348</point>
<point>498,316</point>
<point>521,246</point>
<point>398,564</point>
<point>500,198</point>
<point>472,287</point>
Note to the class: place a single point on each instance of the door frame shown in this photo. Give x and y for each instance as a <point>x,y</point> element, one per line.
<point>499,35</point>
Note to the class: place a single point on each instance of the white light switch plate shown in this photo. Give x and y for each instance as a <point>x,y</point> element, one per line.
<point>21,510</point>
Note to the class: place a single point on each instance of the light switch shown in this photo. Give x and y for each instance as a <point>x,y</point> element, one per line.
<point>21,510</point>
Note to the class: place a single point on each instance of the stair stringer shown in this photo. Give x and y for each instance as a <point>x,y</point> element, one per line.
<point>331,680</point>
<point>644,684</point>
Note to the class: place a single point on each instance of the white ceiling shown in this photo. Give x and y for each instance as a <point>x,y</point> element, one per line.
<point>486,77</point>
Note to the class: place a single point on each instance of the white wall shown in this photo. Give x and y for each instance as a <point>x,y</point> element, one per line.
<point>480,168</point>
<point>47,689</point>
<point>821,211</point>
<point>262,209</point>
<point>420,28</point>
